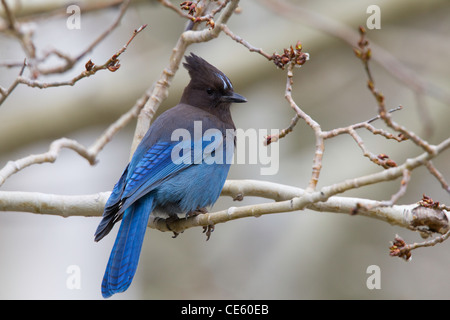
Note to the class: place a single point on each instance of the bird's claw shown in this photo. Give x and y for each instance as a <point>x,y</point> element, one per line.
<point>175,234</point>
<point>196,212</point>
<point>168,222</point>
<point>208,230</point>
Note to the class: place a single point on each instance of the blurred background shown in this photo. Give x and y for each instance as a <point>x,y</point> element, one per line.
<point>298,255</point>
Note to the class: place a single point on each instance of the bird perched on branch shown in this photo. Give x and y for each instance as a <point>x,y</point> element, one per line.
<point>167,176</point>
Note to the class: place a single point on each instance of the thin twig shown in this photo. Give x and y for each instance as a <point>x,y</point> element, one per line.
<point>88,153</point>
<point>195,11</point>
<point>12,24</point>
<point>71,61</point>
<point>432,169</point>
<point>6,92</point>
<point>112,64</point>
<point>401,192</point>
<point>364,53</point>
<point>284,132</point>
<point>320,146</point>
<point>381,159</point>
<point>399,248</point>
<point>23,37</point>
<point>339,30</point>
<point>245,43</point>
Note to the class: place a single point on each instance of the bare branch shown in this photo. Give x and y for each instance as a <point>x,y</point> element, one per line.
<point>364,53</point>
<point>339,30</point>
<point>13,167</point>
<point>112,64</point>
<point>92,205</point>
<point>52,204</point>
<point>71,61</point>
<point>315,126</point>
<point>89,154</point>
<point>386,175</point>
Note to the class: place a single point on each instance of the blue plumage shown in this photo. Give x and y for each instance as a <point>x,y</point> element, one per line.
<point>124,257</point>
<point>155,181</point>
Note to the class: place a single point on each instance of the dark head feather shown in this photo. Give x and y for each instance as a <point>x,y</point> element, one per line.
<point>209,89</point>
<point>204,74</point>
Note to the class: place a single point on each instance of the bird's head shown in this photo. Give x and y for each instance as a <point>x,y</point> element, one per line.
<point>209,88</point>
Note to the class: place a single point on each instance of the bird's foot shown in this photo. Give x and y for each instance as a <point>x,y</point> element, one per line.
<point>196,212</point>
<point>169,220</point>
<point>208,230</point>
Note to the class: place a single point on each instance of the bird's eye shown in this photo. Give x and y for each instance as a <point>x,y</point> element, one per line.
<point>209,91</point>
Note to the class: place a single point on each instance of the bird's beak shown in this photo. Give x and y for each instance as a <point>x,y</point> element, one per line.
<point>235,97</point>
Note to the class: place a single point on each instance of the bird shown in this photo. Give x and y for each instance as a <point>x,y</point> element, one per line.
<point>157,182</point>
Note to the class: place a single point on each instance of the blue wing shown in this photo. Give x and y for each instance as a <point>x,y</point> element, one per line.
<point>147,168</point>
<point>160,163</point>
<point>132,198</point>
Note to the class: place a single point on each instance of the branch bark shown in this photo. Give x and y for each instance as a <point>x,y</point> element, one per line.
<point>287,199</point>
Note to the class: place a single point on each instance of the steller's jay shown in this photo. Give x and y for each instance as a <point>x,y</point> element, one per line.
<point>157,181</point>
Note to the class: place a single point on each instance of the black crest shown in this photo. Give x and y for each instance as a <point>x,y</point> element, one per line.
<point>203,72</point>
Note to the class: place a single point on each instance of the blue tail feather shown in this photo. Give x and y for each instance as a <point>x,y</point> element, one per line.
<point>124,258</point>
